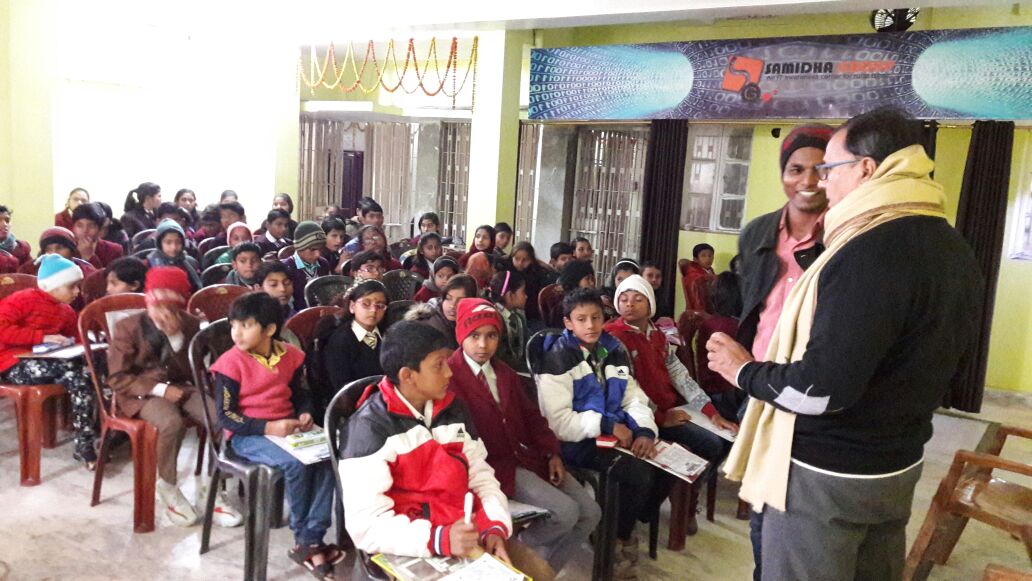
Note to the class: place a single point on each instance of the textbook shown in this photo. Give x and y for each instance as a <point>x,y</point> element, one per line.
<point>309,447</point>
<point>483,568</point>
<point>675,459</point>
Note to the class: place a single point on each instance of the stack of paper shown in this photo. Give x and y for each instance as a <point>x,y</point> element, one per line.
<point>309,447</point>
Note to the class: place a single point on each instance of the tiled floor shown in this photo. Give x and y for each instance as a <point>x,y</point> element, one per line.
<point>50,531</point>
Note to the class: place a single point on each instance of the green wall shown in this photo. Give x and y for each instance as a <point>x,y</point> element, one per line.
<point>1010,356</point>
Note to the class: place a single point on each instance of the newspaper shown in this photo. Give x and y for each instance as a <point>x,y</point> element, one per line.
<point>483,568</point>
<point>675,459</point>
<point>309,447</point>
<point>700,419</point>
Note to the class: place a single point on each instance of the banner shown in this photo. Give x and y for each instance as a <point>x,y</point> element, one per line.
<point>935,74</point>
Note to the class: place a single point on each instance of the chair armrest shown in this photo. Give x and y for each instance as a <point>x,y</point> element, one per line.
<point>992,462</point>
<point>1015,431</point>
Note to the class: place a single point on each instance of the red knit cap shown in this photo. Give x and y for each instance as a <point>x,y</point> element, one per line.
<point>167,285</point>
<point>816,135</point>
<point>475,313</point>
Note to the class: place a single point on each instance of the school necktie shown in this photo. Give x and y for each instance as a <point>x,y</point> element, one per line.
<point>371,340</point>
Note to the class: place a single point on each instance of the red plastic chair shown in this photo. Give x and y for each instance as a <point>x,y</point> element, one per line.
<point>206,245</point>
<point>303,323</point>
<point>37,424</point>
<point>285,252</point>
<point>548,297</point>
<point>94,286</point>
<point>14,282</point>
<point>212,302</point>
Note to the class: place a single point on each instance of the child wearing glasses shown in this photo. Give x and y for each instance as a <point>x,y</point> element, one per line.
<point>367,265</point>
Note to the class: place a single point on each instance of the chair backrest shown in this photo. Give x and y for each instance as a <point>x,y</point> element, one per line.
<point>400,247</point>
<point>456,254</point>
<point>211,255</point>
<point>536,348</point>
<point>94,286</point>
<point>141,236</point>
<point>285,252</point>
<point>322,290</point>
<point>548,297</point>
<point>688,326</point>
<point>212,302</point>
<point>143,254</point>
<point>206,245</point>
<point>303,323</point>
<point>206,347</point>
<point>215,274</point>
<point>93,322</point>
<point>14,282</point>
<point>395,312</point>
<point>340,409</point>
<point>401,284</point>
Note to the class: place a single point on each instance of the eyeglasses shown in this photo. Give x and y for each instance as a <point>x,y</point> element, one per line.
<point>823,169</point>
<point>370,268</point>
<point>372,305</point>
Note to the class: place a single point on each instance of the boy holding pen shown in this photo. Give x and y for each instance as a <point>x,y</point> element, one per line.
<point>414,474</point>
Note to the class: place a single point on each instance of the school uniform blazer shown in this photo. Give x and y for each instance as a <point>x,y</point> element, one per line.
<point>514,431</point>
<point>135,362</point>
<point>105,253</point>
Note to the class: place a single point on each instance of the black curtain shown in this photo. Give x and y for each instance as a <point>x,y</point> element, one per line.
<point>929,131</point>
<point>980,219</point>
<point>661,205</point>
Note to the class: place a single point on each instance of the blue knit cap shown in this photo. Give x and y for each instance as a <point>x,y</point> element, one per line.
<point>56,271</point>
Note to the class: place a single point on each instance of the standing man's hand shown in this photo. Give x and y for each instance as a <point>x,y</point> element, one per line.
<point>726,356</point>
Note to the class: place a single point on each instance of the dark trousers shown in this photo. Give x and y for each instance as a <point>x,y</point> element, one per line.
<point>75,378</point>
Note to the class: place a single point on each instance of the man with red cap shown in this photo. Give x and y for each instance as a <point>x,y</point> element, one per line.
<point>521,448</point>
<point>149,369</point>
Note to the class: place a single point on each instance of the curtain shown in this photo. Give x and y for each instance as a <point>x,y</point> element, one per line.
<point>981,217</point>
<point>661,206</point>
<point>929,131</point>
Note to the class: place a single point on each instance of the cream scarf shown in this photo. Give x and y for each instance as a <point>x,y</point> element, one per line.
<point>900,187</point>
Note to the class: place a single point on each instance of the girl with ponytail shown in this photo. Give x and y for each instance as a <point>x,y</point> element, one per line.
<point>140,205</point>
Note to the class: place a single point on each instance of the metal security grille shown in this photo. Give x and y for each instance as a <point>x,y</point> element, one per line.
<point>325,145</point>
<point>607,195</point>
<point>388,176</point>
<point>453,179</point>
<point>527,181</point>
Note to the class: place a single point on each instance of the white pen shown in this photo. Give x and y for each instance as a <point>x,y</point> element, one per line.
<point>469,506</point>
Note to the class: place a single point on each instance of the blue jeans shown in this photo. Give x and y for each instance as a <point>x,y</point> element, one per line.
<point>309,488</point>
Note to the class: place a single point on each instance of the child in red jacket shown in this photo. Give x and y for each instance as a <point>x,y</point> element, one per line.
<point>43,315</point>
<point>520,447</point>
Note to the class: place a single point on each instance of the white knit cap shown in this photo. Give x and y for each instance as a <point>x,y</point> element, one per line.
<point>636,283</point>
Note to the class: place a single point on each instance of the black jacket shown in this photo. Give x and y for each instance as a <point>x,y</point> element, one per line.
<point>757,249</point>
<point>894,328</point>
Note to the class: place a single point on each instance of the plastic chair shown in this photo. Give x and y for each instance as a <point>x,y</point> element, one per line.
<point>206,245</point>
<point>970,490</point>
<point>141,236</point>
<point>303,323</point>
<point>548,297</point>
<point>401,284</point>
<point>37,424</point>
<point>335,423</point>
<point>215,274</point>
<point>213,301</point>
<point>395,312</point>
<point>262,484</point>
<point>94,286</point>
<point>323,290</point>
<point>208,257</point>
<point>14,282</point>
<point>400,247</point>
<point>285,252</point>
<point>143,254</point>
<point>1001,573</point>
<point>142,436</point>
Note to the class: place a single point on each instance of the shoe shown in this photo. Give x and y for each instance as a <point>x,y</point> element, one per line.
<point>178,509</point>
<point>629,549</point>
<point>224,514</point>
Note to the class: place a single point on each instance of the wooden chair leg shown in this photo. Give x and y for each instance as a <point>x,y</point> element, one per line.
<point>29,438</point>
<point>145,473</point>
<point>678,516</point>
<point>928,543</point>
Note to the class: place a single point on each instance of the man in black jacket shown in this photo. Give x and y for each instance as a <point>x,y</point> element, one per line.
<point>892,329</point>
<point>775,249</point>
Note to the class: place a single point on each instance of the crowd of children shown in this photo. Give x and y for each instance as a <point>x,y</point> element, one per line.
<point>456,411</point>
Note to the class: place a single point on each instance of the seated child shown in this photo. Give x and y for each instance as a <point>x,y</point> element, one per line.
<point>237,234</point>
<point>561,253</point>
<point>428,222</point>
<point>149,370</point>
<point>443,269</point>
<point>352,349</point>
<point>585,391</point>
<point>653,274</point>
<point>126,275</point>
<point>509,294</point>
<point>370,212</point>
<point>62,242</point>
<point>582,249</point>
<point>336,237</point>
<point>87,221</point>
<point>260,393</point>
<point>662,375</point>
<point>282,201</point>
<point>277,226</point>
<point>522,450</point>
<point>230,212</point>
<point>42,315</point>
<point>622,269</point>
<point>483,241</point>
<point>576,274</point>
<point>209,224</point>
<point>536,273</point>
<point>503,238</point>
<point>168,251</point>
<point>410,456</point>
<point>695,276</point>
<point>273,279</point>
<point>724,303</point>
<point>372,238</point>
<point>367,265</point>
<point>306,263</point>
<point>246,258</point>
<point>481,267</point>
<point>427,251</point>
<point>441,312</point>
<point>19,249</point>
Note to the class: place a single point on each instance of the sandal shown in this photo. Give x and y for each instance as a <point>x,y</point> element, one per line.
<point>303,556</point>
<point>333,554</point>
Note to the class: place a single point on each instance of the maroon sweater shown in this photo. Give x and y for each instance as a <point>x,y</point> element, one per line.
<point>514,432</point>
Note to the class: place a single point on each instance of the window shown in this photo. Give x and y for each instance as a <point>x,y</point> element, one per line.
<point>1021,247</point>
<point>716,177</point>
<point>453,178</point>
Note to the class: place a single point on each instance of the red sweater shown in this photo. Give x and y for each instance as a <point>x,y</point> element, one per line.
<point>105,254</point>
<point>264,394</point>
<point>514,432</point>
<point>649,354</point>
<point>25,317</point>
